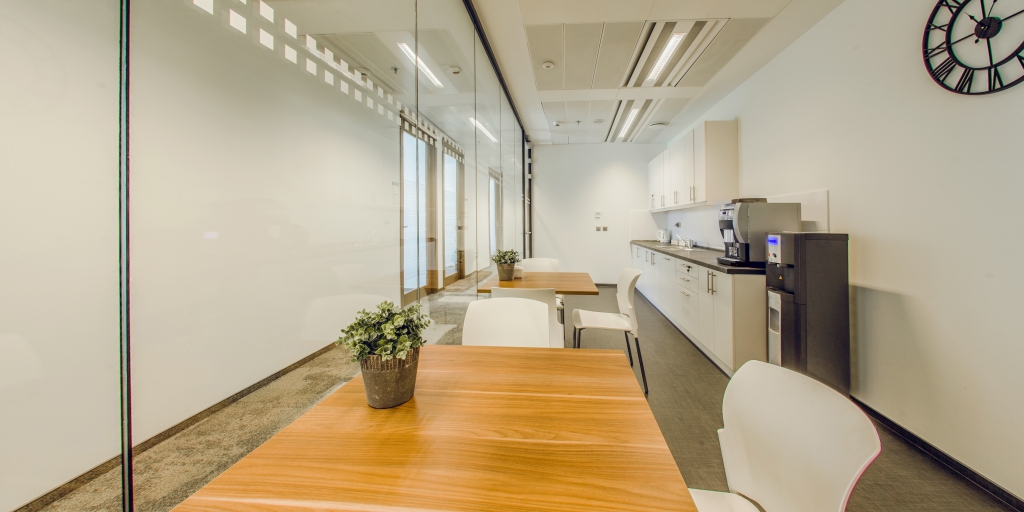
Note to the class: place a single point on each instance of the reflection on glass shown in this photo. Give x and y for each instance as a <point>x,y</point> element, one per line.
<point>495,215</point>
<point>451,216</point>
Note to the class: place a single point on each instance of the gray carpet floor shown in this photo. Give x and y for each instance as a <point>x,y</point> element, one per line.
<point>686,392</point>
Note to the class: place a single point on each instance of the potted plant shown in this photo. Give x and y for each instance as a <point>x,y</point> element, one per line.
<point>386,343</point>
<point>506,261</point>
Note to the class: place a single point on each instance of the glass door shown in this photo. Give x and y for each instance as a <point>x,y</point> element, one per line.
<point>494,196</point>
<point>453,268</point>
<point>414,218</point>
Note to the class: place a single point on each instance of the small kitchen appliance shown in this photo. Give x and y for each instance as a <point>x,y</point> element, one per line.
<point>744,224</point>
<point>664,235</point>
<point>809,305</point>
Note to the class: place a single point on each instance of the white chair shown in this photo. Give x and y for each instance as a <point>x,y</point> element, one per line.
<point>624,320</point>
<point>506,322</point>
<point>545,265</point>
<point>545,295</point>
<point>790,443</point>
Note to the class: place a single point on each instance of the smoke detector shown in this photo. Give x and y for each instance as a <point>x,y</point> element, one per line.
<point>547,64</point>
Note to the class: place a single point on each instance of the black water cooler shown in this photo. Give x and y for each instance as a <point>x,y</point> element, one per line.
<point>808,280</point>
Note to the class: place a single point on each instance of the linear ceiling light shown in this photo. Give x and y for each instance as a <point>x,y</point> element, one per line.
<point>481,127</point>
<point>666,53</point>
<point>420,64</point>
<point>629,121</point>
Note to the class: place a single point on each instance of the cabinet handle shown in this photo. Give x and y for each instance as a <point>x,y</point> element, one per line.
<point>675,197</point>
<point>709,281</point>
<point>693,193</point>
<point>663,199</point>
<point>713,290</point>
<point>684,293</point>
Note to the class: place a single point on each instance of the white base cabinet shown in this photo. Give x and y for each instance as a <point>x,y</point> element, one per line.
<point>725,315</point>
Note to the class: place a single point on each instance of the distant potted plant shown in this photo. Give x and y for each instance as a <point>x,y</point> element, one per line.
<point>386,343</point>
<point>506,261</point>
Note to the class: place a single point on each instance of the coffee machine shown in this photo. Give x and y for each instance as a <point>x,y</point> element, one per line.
<point>809,305</point>
<point>744,224</point>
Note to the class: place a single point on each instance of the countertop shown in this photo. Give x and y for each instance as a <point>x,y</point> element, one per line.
<point>700,256</point>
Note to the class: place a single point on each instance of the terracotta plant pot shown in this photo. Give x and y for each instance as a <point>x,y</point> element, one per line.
<point>506,272</point>
<point>390,383</point>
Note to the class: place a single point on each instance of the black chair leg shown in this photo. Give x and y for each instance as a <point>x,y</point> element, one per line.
<point>579,339</point>
<point>629,350</point>
<point>575,333</point>
<point>641,358</point>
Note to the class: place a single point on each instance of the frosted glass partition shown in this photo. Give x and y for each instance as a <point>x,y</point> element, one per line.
<point>293,162</point>
<point>59,231</point>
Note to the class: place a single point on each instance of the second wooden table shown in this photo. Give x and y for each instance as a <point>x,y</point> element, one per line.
<point>565,283</point>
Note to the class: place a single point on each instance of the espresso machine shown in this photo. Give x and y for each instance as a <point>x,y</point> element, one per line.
<point>809,305</point>
<point>744,224</point>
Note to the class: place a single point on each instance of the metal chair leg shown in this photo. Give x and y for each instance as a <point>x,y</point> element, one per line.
<point>574,334</point>
<point>579,339</point>
<point>641,358</point>
<point>629,350</point>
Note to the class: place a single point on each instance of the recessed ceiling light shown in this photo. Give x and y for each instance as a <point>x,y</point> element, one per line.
<point>598,121</point>
<point>420,64</point>
<point>629,121</point>
<point>658,126</point>
<point>666,53</point>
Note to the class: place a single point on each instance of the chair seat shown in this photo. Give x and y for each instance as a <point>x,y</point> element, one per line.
<point>583,319</point>
<point>712,501</point>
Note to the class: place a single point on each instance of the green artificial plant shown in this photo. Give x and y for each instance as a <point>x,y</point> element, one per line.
<point>509,257</point>
<point>388,332</point>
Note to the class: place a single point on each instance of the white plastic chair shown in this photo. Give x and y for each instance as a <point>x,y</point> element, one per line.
<point>545,265</point>
<point>545,295</point>
<point>506,322</point>
<point>624,320</point>
<point>790,443</point>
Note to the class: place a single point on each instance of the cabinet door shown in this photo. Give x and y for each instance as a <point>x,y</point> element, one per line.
<point>667,285</point>
<point>686,189</point>
<point>656,181</point>
<point>687,308</point>
<point>700,168</point>
<point>675,171</point>
<point>721,289</point>
<point>706,310</point>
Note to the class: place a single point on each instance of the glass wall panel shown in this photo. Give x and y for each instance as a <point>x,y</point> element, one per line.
<point>294,162</point>
<point>59,244</point>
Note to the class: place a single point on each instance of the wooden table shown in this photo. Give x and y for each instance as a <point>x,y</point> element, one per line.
<point>565,283</point>
<point>490,428</point>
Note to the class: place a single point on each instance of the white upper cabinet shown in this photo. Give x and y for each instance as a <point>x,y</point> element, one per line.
<point>702,167</point>
<point>656,181</point>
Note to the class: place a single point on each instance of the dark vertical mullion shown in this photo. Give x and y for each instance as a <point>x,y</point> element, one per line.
<point>127,486</point>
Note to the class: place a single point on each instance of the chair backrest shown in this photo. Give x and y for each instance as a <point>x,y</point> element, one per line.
<point>624,295</point>
<point>539,265</point>
<point>506,322</point>
<point>791,443</point>
<point>545,295</point>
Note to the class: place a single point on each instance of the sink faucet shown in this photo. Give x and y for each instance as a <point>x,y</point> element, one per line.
<point>685,242</point>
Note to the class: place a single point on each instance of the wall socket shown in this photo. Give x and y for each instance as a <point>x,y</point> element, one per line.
<point>602,228</point>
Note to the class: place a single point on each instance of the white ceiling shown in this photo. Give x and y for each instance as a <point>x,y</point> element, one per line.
<point>602,50</point>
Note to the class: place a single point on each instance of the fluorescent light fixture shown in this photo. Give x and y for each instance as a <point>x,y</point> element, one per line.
<point>666,53</point>
<point>629,121</point>
<point>420,64</point>
<point>481,127</point>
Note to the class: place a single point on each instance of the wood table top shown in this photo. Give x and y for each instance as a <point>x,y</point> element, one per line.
<point>489,428</point>
<point>565,283</point>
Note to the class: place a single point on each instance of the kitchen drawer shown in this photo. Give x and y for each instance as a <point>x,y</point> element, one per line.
<point>686,281</point>
<point>686,267</point>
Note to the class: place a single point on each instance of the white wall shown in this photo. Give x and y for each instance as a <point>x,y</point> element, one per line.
<point>574,181</point>
<point>59,328</point>
<point>926,183</point>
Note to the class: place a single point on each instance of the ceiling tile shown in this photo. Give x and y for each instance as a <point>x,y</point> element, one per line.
<point>554,111</point>
<point>582,43</point>
<point>617,45</point>
<point>726,45</point>
<point>577,111</point>
<point>546,45</point>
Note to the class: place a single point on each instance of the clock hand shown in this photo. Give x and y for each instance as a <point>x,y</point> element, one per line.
<point>983,15</point>
<point>1014,14</point>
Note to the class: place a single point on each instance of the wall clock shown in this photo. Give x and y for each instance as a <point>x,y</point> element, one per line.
<point>975,46</point>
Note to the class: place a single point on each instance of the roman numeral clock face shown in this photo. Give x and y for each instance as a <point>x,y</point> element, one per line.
<point>976,46</point>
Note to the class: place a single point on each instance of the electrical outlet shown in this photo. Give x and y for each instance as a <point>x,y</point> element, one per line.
<point>604,228</point>
<point>598,228</point>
